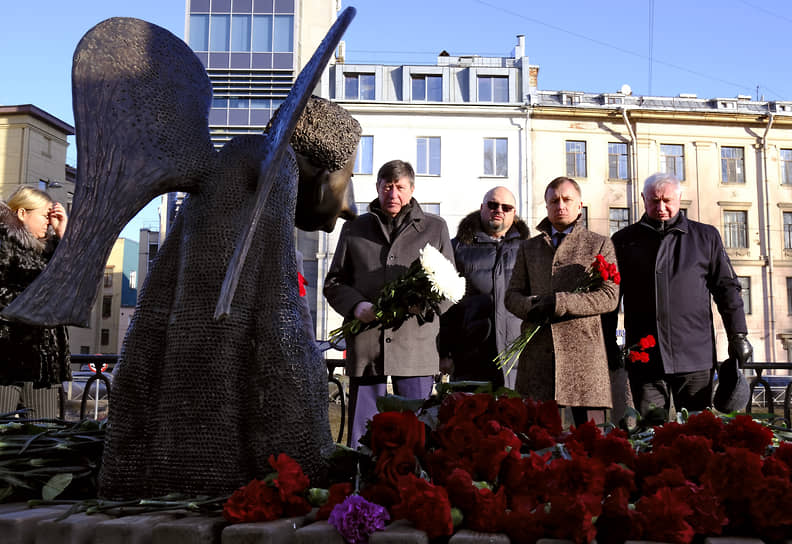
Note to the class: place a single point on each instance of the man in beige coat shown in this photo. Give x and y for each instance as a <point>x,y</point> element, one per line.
<point>566,360</point>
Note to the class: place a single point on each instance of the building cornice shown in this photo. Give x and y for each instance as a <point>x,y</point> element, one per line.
<point>433,108</point>
<point>38,113</point>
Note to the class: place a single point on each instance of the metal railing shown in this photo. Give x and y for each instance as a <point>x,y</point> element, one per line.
<point>98,363</point>
<point>770,397</point>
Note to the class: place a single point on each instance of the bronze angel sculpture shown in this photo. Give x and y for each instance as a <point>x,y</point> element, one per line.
<point>205,391</point>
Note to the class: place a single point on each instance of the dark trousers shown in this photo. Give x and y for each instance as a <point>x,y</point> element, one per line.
<point>363,394</point>
<point>690,390</point>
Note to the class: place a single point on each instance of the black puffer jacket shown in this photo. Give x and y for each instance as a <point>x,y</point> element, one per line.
<point>28,353</point>
<point>479,327</point>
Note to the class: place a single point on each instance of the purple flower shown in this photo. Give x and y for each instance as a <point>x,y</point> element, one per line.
<point>356,518</point>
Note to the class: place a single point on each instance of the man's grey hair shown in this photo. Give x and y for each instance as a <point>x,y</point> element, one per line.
<point>660,179</point>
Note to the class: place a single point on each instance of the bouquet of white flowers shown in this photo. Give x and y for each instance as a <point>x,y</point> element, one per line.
<point>430,280</point>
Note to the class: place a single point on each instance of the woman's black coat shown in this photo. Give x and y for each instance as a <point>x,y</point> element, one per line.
<point>28,353</point>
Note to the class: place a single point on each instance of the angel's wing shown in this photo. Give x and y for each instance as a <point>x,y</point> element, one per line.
<point>141,101</point>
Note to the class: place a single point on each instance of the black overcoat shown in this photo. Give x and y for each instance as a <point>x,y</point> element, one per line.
<point>668,282</point>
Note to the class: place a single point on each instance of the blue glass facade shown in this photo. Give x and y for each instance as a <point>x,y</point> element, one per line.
<point>247,47</point>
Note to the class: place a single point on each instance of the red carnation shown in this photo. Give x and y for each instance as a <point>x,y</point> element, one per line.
<point>391,430</point>
<point>425,505</point>
<point>647,342</point>
<point>744,432</point>
<point>336,495</point>
<point>664,517</point>
<point>291,484</point>
<point>393,464</point>
<point>639,357</point>
<point>254,502</point>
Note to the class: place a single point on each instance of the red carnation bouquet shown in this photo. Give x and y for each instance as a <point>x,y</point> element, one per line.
<point>637,352</point>
<point>598,273</point>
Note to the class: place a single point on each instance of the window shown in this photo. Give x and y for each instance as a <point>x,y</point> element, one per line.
<point>428,159</point>
<point>493,88</point>
<point>364,159</point>
<point>133,279</point>
<point>672,160</point>
<point>282,33</point>
<point>786,166</point>
<point>359,86</point>
<point>584,216</point>
<point>107,306</point>
<point>108,277</point>
<point>789,295</point>
<point>787,230</point>
<point>575,159</point>
<point>262,33</point>
<point>219,32</point>
<point>618,218</point>
<point>430,207</point>
<point>240,33</point>
<point>199,32</point>
<point>496,157</point>
<point>745,284</point>
<point>152,252</point>
<point>428,88</point>
<point>105,337</point>
<point>85,350</point>
<point>732,165</point>
<point>617,161</point>
<point>735,229</point>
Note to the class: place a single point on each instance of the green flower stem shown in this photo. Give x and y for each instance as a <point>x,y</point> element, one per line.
<point>512,353</point>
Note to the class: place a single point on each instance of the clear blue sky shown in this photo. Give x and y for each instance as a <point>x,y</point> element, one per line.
<point>713,48</point>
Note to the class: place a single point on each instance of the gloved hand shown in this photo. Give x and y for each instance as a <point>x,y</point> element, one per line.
<point>542,307</point>
<point>739,348</point>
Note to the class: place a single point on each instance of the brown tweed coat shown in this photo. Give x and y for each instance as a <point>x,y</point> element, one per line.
<point>565,361</point>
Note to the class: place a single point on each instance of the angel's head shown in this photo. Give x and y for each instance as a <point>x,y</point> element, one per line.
<point>325,141</point>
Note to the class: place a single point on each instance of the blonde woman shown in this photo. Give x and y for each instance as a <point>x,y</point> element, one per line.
<point>34,360</point>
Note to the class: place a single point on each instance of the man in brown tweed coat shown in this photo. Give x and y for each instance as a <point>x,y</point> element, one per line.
<point>566,360</point>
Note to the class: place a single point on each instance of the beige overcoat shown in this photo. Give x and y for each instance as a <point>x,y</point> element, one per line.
<point>566,360</point>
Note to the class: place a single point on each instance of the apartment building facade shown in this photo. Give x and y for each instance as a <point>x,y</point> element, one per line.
<point>33,152</point>
<point>470,123</point>
<point>114,306</point>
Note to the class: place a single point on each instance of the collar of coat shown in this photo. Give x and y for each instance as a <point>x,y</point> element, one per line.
<point>470,228</point>
<point>413,216</point>
<point>679,225</point>
<point>12,228</point>
<point>546,228</point>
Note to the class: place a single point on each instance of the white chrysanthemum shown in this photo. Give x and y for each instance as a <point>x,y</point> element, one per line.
<point>442,274</point>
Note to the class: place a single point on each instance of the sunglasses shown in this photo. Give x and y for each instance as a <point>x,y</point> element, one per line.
<point>495,205</point>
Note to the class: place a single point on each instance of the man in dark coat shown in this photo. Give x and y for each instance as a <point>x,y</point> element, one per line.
<point>479,327</point>
<point>670,266</point>
<point>374,249</point>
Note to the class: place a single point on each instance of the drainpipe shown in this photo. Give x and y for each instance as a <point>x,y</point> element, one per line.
<point>633,165</point>
<point>525,190</point>
<point>768,258</point>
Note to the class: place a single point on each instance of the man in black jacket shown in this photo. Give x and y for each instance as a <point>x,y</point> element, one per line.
<point>474,331</point>
<point>669,267</point>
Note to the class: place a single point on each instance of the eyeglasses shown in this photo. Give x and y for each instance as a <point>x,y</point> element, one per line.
<point>495,205</point>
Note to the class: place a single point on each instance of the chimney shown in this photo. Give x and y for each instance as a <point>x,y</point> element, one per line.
<point>519,49</point>
<point>341,52</point>
<point>533,77</point>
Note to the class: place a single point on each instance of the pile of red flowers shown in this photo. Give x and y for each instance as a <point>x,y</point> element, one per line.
<point>501,464</point>
<point>281,494</point>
